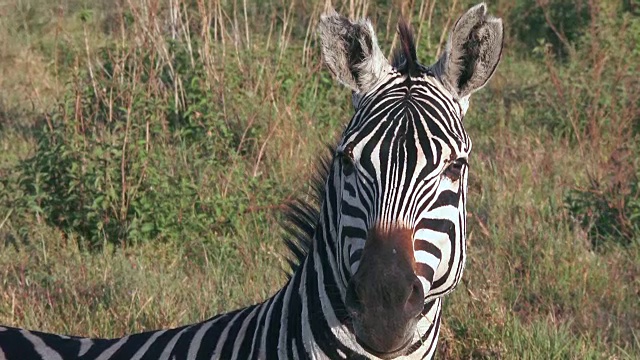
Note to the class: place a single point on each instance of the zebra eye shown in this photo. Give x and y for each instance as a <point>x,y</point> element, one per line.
<point>454,170</point>
<point>346,157</point>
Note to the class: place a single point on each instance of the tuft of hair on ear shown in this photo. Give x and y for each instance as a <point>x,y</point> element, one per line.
<point>473,52</point>
<point>404,57</point>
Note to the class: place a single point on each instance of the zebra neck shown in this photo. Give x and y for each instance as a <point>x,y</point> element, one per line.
<point>311,305</point>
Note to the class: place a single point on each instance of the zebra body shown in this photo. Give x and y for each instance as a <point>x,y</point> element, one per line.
<point>384,239</point>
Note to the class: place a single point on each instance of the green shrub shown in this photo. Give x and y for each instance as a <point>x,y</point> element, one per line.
<point>166,139</point>
<point>555,22</point>
<point>596,94</point>
<point>608,208</point>
<point>123,160</point>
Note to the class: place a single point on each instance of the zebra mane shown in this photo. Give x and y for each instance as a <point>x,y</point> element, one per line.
<point>404,57</point>
<point>302,214</point>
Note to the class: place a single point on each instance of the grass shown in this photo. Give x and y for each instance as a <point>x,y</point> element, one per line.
<point>227,125</point>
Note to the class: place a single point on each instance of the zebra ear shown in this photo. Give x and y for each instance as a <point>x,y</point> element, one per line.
<point>472,53</point>
<point>350,50</point>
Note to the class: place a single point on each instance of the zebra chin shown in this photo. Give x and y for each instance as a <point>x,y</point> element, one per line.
<point>384,297</point>
<point>386,346</point>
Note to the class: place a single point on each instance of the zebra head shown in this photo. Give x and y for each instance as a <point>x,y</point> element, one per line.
<point>397,184</point>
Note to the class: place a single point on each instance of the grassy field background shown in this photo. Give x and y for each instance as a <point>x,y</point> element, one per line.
<point>146,148</point>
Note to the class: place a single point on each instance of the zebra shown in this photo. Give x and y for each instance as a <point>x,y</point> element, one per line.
<point>383,239</point>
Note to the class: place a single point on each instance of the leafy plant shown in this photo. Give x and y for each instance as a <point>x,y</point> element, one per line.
<point>609,207</point>
<point>104,168</point>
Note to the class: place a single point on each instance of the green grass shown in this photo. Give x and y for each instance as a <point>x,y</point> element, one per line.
<point>237,134</point>
<point>53,285</point>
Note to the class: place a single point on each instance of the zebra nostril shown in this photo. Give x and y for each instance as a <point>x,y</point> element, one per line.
<point>415,300</point>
